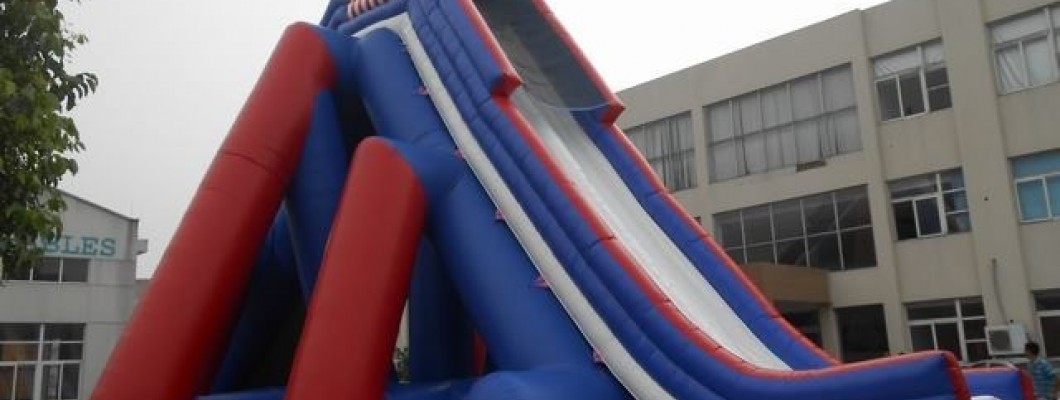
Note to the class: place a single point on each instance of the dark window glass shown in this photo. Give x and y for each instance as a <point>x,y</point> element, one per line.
<point>50,385</point>
<point>806,323</point>
<point>17,274</point>
<point>1044,301</point>
<point>975,329</point>
<point>19,332</point>
<point>65,332</point>
<point>47,271</point>
<point>71,381</point>
<point>923,337</point>
<point>889,106</point>
<point>977,351</point>
<point>938,89</point>
<point>757,226</point>
<point>931,311</point>
<point>727,226</point>
<point>948,338</point>
<point>912,95</point>
<point>956,201</point>
<point>904,220</point>
<point>24,382</point>
<point>75,270</point>
<point>18,351</point>
<point>791,252</point>
<point>927,212</point>
<point>787,219</point>
<point>824,252</point>
<point>859,249</point>
<point>972,308</point>
<point>62,351</point>
<point>952,180</point>
<point>957,223</point>
<point>760,254</point>
<point>1051,333</point>
<point>820,213</point>
<point>7,380</point>
<point>853,205</point>
<point>862,332</point>
<point>736,254</point>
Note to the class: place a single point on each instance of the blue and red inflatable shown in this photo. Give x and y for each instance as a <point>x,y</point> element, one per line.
<point>459,158</point>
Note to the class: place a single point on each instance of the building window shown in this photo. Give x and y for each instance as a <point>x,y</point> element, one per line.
<point>1037,180</point>
<point>44,356</point>
<point>862,332</point>
<point>806,323</point>
<point>912,81</point>
<point>669,147</point>
<point>1047,305</point>
<point>53,269</point>
<point>796,122</point>
<point>957,326</point>
<point>1025,50</point>
<point>830,230</point>
<point>930,205</point>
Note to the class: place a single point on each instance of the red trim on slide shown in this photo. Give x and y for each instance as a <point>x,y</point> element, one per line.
<point>659,298</point>
<point>614,105</point>
<point>479,355</point>
<point>659,187</point>
<point>511,80</point>
<point>175,337</point>
<point>354,315</point>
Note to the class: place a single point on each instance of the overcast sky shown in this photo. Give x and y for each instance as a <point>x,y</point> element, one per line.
<point>173,75</point>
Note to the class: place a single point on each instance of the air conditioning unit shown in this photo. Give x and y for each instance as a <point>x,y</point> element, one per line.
<point>1006,340</point>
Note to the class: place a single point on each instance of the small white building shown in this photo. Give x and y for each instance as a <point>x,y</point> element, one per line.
<point>60,320</point>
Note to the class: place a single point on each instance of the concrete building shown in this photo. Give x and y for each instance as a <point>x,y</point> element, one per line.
<point>909,154</point>
<point>60,320</point>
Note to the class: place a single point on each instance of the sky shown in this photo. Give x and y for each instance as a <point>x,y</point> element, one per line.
<point>174,74</point>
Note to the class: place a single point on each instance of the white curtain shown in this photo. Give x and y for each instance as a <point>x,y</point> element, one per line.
<point>750,113</point>
<point>838,89</point>
<point>776,106</point>
<point>1010,69</point>
<point>723,160</point>
<point>806,95</point>
<point>933,54</point>
<point>1041,61</point>
<point>720,120</point>
<point>755,153</point>
<point>897,62</point>
<point>808,139</point>
<point>670,149</point>
<point>1018,28</point>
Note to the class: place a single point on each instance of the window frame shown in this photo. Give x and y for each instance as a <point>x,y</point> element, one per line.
<point>740,136</point>
<point>805,236</point>
<point>939,195</point>
<point>1050,33</point>
<point>39,363</point>
<point>1051,215</point>
<point>676,158</point>
<point>60,281</point>
<point>922,69</point>
<point>958,319</point>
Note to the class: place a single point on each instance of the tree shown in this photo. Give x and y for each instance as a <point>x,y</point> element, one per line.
<point>36,138</point>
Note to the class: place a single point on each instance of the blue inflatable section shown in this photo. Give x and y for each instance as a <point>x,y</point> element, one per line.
<point>472,275</point>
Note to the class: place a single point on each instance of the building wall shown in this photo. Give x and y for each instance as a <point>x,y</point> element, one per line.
<point>103,303</point>
<point>1000,260</point>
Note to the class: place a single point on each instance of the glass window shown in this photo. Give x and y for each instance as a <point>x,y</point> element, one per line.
<point>831,231</point>
<point>930,205</point>
<point>668,146</point>
<point>862,332</point>
<point>799,121</point>
<point>957,326</point>
<point>1047,305</point>
<point>53,269</point>
<point>45,356</point>
<point>1023,55</point>
<point>1037,179</point>
<point>912,81</point>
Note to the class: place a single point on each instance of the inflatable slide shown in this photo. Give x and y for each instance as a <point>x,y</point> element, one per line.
<point>459,158</point>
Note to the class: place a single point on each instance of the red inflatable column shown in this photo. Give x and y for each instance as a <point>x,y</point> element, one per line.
<point>173,340</point>
<point>353,318</point>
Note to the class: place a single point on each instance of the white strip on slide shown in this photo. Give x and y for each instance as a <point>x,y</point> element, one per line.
<point>622,364</point>
<point>597,181</point>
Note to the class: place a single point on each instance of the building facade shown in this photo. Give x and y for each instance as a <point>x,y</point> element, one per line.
<point>890,176</point>
<point>60,319</point>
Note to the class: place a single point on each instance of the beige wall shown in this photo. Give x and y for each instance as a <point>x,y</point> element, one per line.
<point>978,134</point>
